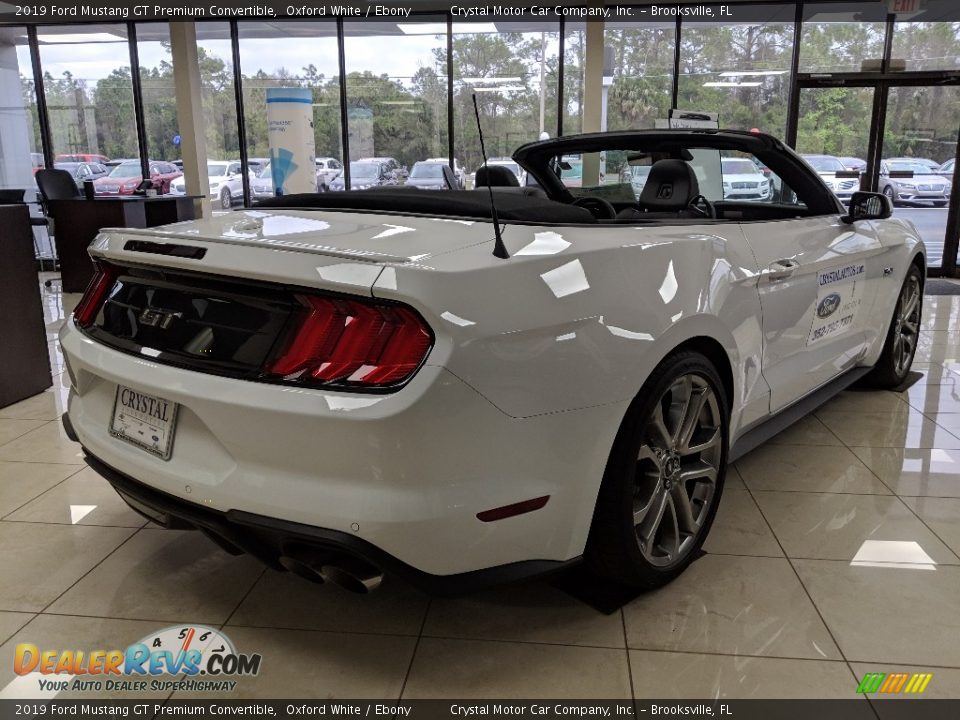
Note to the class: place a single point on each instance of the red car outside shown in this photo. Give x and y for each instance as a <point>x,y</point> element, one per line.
<point>81,158</point>
<point>126,176</point>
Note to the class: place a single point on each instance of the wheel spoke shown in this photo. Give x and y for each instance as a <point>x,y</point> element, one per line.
<point>648,519</point>
<point>712,441</point>
<point>659,427</point>
<point>701,472</point>
<point>910,304</point>
<point>691,417</point>
<point>646,453</point>
<point>673,549</point>
<point>683,508</point>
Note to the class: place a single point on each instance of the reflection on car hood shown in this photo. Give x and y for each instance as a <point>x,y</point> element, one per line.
<point>426,182</point>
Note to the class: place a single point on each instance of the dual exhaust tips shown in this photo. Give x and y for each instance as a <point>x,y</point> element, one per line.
<point>345,571</point>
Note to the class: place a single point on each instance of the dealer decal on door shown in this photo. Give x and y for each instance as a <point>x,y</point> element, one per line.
<point>838,300</point>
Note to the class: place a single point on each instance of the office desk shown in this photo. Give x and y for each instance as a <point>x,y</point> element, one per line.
<point>77,222</point>
<point>24,360</point>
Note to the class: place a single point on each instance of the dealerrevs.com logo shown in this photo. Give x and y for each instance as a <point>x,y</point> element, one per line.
<point>206,656</point>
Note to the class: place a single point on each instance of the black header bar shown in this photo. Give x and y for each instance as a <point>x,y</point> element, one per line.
<point>462,11</point>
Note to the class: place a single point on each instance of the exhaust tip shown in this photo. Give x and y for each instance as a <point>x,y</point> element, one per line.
<point>356,580</point>
<point>298,567</point>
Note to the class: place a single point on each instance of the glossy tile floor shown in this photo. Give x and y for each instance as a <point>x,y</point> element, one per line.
<point>836,551</point>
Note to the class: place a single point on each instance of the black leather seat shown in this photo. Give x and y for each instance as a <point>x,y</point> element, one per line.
<point>495,176</point>
<point>670,187</point>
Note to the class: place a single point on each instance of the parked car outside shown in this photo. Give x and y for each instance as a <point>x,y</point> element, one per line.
<point>392,165</point>
<point>853,163</point>
<point>427,175</point>
<point>922,187</point>
<point>742,180</point>
<point>827,167</point>
<point>327,169</point>
<point>261,186</point>
<point>946,169</point>
<point>81,158</point>
<point>926,162</point>
<point>83,171</point>
<point>458,169</point>
<point>366,174</point>
<point>125,177</point>
<point>225,183</point>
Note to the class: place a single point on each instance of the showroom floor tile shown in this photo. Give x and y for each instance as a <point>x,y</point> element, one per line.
<point>834,552</point>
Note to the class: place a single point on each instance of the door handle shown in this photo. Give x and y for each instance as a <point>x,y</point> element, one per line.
<point>782,269</point>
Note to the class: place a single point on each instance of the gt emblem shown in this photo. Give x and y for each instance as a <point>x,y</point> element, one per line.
<point>828,306</point>
<point>154,317</point>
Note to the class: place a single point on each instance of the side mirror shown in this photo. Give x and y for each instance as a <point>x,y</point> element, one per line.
<point>868,206</point>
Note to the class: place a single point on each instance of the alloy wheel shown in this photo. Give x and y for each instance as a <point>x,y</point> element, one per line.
<point>906,328</point>
<point>678,464</point>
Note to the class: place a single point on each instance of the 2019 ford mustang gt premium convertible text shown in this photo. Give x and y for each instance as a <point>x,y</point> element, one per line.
<point>366,382</point>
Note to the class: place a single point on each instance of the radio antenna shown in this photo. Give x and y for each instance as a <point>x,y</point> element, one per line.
<point>499,249</point>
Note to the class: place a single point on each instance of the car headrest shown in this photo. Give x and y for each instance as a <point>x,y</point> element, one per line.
<point>495,176</point>
<point>671,185</point>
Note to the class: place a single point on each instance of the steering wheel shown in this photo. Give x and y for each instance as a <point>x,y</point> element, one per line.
<point>707,211</point>
<point>598,207</point>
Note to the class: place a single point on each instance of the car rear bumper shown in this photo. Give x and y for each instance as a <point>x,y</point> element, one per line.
<point>273,541</point>
<point>406,472</point>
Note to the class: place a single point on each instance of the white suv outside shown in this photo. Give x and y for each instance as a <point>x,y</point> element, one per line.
<point>226,183</point>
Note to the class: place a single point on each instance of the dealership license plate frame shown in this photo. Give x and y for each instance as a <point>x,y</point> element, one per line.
<point>164,450</point>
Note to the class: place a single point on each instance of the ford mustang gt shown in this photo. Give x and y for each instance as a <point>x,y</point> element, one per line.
<point>470,387</point>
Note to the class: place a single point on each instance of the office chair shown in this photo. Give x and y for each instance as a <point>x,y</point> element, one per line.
<point>54,185</point>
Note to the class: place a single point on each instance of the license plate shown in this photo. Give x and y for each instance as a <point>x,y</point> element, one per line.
<point>144,420</point>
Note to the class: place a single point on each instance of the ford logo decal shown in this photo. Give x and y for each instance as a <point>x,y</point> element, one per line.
<point>828,306</point>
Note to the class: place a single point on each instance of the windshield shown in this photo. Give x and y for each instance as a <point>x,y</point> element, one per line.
<point>126,171</point>
<point>427,170</point>
<point>914,167</point>
<point>738,167</point>
<point>216,169</point>
<point>264,172</point>
<point>825,164</point>
<point>364,170</point>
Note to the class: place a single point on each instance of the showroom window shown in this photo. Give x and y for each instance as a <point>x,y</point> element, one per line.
<point>89,91</point>
<point>290,54</point>
<point>574,64</point>
<point>21,152</point>
<point>841,37</point>
<point>219,101</point>
<point>396,94</point>
<point>159,94</point>
<point>927,41</point>
<point>740,70</point>
<point>638,65</point>
<point>514,70</point>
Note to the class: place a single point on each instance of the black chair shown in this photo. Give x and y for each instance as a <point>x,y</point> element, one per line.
<point>53,185</point>
<point>56,184</point>
<point>495,176</point>
<point>11,196</point>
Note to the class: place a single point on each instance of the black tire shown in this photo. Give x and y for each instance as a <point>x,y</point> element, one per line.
<point>888,191</point>
<point>614,546</point>
<point>225,200</point>
<point>894,363</point>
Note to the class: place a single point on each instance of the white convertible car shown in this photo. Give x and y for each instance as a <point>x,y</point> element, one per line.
<point>369,382</point>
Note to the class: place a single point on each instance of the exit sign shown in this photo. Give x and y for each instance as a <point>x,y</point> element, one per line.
<point>905,6</point>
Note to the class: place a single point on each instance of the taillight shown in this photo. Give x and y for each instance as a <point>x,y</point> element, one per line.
<point>95,294</point>
<point>352,343</point>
